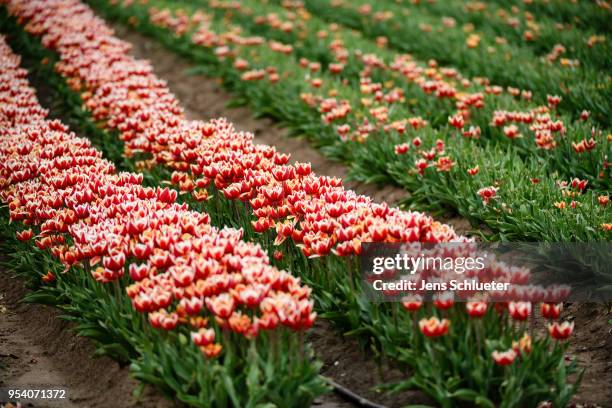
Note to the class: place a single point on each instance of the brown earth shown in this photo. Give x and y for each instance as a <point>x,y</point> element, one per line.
<point>347,364</point>
<point>591,345</point>
<point>37,347</point>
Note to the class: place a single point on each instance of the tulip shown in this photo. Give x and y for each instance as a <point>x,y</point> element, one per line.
<point>473,171</point>
<point>137,226</point>
<point>81,211</point>
<point>524,345</point>
<point>456,121</point>
<point>557,293</point>
<point>551,311</point>
<point>429,155</point>
<point>48,277</point>
<point>155,319</point>
<point>402,148</point>
<point>99,247</point>
<point>222,305</point>
<point>198,322</point>
<point>138,272</point>
<point>444,301</point>
<point>412,304</point>
<point>250,296</point>
<point>278,255</point>
<point>584,115</point>
<point>352,247</point>
<point>487,193</point>
<point>268,321</point>
<point>192,306</point>
<point>473,132</point>
<point>203,337</point>
<point>167,195</point>
<point>211,350</point>
<point>504,358</point>
<point>170,322</point>
<point>433,327</point>
<point>512,132</point>
<point>378,233</point>
<point>183,275</point>
<point>560,331</point>
<point>336,68</point>
<point>160,259</point>
<point>240,323</point>
<point>262,224</point>
<point>232,192</point>
<point>421,165</point>
<point>24,235</point>
<point>114,262</point>
<point>303,169</point>
<point>519,310</point>
<point>553,100</point>
<point>579,184</point>
<point>444,163</point>
<point>142,302</point>
<point>476,309</point>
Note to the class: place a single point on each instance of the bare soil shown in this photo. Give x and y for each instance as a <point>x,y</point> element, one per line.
<point>37,347</point>
<point>591,345</point>
<point>347,364</point>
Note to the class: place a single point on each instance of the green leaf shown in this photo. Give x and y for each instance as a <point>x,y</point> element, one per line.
<point>44,298</point>
<point>465,394</point>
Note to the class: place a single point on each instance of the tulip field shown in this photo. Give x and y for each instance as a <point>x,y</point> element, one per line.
<point>205,260</point>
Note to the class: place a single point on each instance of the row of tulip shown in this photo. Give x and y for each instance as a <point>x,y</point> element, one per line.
<point>151,125</point>
<point>104,231</point>
<point>524,25</point>
<point>321,208</point>
<point>582,14</point>
<point>503,63</point>
<point>482,111</point>
<point>371,66</point>
<point>436,167</point>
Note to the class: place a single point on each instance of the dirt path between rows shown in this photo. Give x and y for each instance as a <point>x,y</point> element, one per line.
<point>37,347</point>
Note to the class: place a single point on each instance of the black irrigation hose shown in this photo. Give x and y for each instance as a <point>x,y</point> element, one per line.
<point>351,396</point>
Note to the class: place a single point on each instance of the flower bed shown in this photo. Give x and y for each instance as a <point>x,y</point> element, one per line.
<point>380,144</point>
<point>213,154</point>
<point>476,54</point>
<point>107,235</point>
